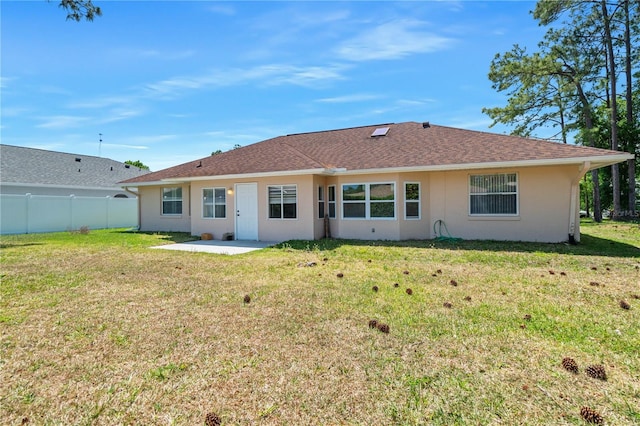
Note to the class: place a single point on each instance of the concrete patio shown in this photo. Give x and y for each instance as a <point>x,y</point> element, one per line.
<point>218,246</point>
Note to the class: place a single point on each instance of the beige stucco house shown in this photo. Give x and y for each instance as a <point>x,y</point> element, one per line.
<point>388,181</point>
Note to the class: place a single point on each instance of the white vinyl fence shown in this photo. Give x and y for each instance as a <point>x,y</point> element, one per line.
<point>26,214</point>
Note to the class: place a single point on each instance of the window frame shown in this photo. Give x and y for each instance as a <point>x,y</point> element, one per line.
<point>417,201</point>
<point>331,202</point>
<point>367,201</point>
<point>215,203</point>
<point>173,200</point>
<point>515,193</point>
<point>282,203</point>
<point>321,202</point>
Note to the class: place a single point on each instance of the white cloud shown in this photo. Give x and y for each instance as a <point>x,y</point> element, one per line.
<point>392,40</point>
<point>361,97</point>
<point>274,74</point>
<point>125,146</point>
<point>62,121</point>
<point>222,9</point>
<point>414,102</point>
<point>119,114</point>
<point>4,81</point>
<point>128,54</point>
<point>15,111</point>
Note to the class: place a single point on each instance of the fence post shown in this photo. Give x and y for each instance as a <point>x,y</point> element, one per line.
<point>28,201</point>
<point>71,211</point>
<point>108,210</point>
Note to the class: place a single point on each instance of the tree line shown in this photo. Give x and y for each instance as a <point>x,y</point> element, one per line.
<point>582,81</point>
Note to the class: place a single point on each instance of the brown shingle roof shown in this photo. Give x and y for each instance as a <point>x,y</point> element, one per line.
<point>406,145</point>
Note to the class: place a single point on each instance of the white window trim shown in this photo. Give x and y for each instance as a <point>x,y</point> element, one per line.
<point>419,201</point>
<point>297,202</point>
<point>334,202</point>
<point>322,200</point>
<point>367,201</point>
<point>162,213</point>
<point>214,203</point>
<point>500,215</point>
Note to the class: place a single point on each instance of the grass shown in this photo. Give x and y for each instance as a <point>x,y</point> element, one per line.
<point>98,329</point>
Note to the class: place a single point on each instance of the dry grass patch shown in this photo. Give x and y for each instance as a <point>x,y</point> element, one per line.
<point>98,329</point>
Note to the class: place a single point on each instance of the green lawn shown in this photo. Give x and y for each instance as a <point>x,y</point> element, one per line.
<point>98,329</point>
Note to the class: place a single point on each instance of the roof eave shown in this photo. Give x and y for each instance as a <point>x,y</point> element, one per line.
<point>252,175</point>
<point>596,162</point>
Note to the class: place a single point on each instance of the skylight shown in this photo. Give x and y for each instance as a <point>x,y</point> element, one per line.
<point>380,131</point>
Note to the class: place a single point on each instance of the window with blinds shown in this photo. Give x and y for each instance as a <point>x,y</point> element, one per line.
<point>283,202</point>
<point>493,195</point>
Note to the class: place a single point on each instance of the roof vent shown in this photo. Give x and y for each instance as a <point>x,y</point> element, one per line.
<point>380,131</point>
<point>426,125</point>
<point>126,166</point>
<point>78,159</point>
<point>199,164</point>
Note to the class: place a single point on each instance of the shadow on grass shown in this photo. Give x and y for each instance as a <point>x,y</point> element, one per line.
<point>174,237</point>
<point>589,246</point>
<point>6,245</point>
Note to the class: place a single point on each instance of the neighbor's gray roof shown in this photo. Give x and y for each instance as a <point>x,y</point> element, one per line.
<point>19,165</point>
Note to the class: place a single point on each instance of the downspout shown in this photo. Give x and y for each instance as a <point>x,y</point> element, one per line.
<point>137,195</point>
<point>574,231</point>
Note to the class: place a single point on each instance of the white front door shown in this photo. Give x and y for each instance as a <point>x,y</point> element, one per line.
<point>247,211</point>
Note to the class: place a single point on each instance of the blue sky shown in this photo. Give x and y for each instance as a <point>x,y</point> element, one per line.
<point>169,82</point>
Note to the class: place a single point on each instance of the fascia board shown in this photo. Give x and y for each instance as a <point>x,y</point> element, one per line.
<point>251,175</point>
<point>596,162</point>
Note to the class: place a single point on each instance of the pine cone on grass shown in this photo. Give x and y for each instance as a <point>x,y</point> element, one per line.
<point>570,364</point>
<point>596,371</point>
<point>212,419</point>
<point>373,323</point>
<point>625,305</point>
<point>591,416</point>
<point>383,328</point>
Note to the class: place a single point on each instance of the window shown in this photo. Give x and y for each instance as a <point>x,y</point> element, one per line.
<point>332,201</point>
<point>283,201</point>
<point>368,201</point>
<point>412,200</point>
<point>214,203</point>
<point>172,201</point>
<point>321,202</point>
<point>493,194</point>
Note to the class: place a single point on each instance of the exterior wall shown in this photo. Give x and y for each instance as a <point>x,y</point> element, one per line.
<point>151,218</point>
<point>544,197</point>
<point>302,227</point>
<point>544,204</point>
<point>215,226</point>
<point>366,229</point>
<point>318,222</point>
<point>415,229</point>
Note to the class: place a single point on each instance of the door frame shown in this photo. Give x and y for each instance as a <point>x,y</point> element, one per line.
<point>250,202</point>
